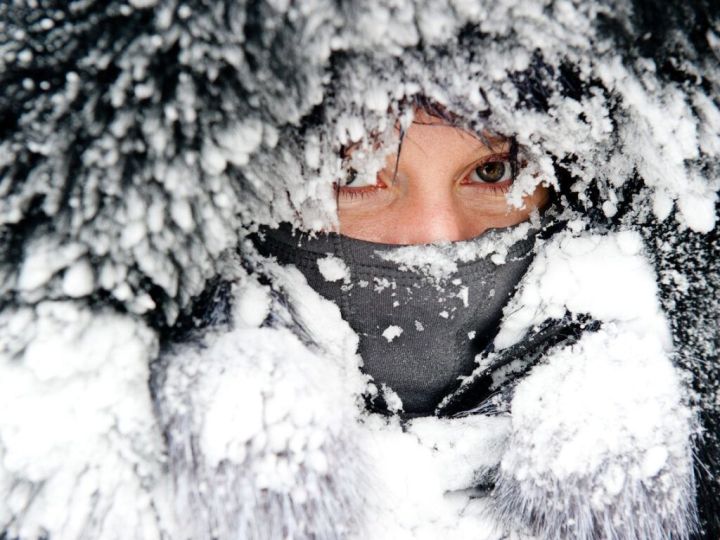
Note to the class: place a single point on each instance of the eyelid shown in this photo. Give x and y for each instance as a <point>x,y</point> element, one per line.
<point>352,191</point>
<point>500,156</point>
<point>497,156</point>
<point>352,176</point>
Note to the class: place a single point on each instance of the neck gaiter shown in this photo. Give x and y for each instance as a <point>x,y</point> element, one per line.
<point>422,312</point>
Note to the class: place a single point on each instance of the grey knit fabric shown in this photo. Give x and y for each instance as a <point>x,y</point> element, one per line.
<point>444,322</point>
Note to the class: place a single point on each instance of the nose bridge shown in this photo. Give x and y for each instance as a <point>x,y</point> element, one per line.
<point>431,213</point>
<point>428,166</point>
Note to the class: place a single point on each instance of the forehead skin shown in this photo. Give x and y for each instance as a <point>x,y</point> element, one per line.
<point>456,146</point>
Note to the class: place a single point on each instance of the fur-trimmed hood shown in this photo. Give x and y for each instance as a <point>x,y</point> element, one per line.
<point>160,379</point>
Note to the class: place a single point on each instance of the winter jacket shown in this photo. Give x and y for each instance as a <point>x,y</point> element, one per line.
<point>161,379</point>
<point>577,425</point>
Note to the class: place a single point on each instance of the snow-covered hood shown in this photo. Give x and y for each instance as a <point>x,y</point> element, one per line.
<point>144,360</point>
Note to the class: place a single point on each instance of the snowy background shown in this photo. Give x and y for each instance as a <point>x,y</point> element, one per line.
<point>141,141</point>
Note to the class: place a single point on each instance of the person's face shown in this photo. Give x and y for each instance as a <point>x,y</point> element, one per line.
<point>449,186</point>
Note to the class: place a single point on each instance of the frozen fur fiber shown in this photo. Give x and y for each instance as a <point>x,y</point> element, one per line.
<point>302,485</point>
<point>158,379</point>
<point>603,454</point>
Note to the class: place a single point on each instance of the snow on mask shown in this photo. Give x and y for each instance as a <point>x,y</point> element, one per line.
<point>422,312</point>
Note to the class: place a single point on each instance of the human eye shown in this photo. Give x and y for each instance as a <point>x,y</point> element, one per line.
<point>498,170</point>
<point>355,184</point>
<point>355,181</point>
<point>359,179</point>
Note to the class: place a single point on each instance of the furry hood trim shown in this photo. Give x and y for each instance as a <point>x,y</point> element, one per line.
<point>142,140</point>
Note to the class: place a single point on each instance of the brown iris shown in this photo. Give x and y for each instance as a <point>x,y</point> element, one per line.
<point>492,171</point>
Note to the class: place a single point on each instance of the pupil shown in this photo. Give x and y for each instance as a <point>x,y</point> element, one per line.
<point>492,172</point>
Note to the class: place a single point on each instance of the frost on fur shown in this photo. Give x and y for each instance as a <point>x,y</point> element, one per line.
<point>601,431</point>
<point>260,440</point>
<point>600,445</point>
<point>76,425</point>
<point>139,140</point>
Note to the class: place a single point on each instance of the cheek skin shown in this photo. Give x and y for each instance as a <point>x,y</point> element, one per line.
<point>372,226</point>
<point>494,209</point>
<point>402,222</point>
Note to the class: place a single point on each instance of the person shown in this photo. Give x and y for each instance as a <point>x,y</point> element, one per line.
<point>347,270</point>
<point>445,185</point>
<point>432,266</point>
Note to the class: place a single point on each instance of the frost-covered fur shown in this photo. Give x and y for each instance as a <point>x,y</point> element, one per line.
<point>80,448</point>
<point>259,430</point>
<point>260,426</point>
<point>577,465</point>
<point>140,139</point>
<point>619,464</point>
<point>265,434</point>
<point>600,443</point>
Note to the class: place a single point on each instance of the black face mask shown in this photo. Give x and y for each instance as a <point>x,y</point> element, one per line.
<point>420,328</point>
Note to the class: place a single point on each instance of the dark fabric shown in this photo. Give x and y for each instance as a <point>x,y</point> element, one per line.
<point>445,323</point>
<point>489,389</point>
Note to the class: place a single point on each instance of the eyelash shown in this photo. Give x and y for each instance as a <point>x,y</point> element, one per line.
<point>499,187</point>
<point>353,193</point>
<point>493,187</point>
